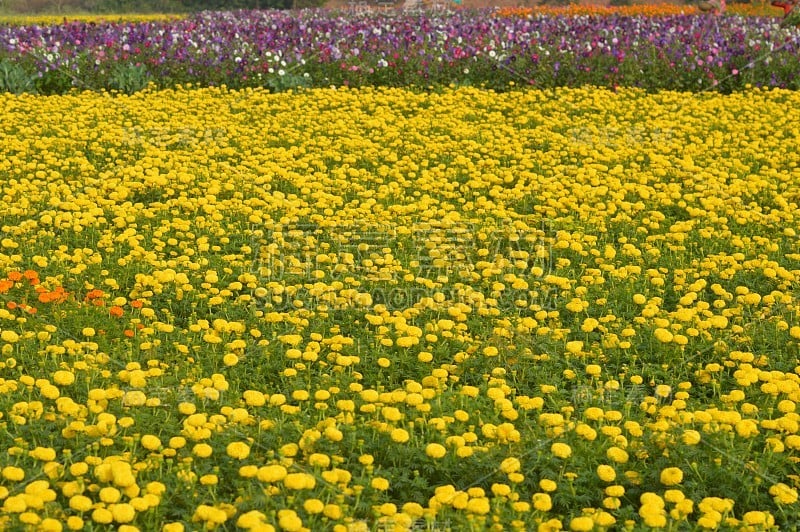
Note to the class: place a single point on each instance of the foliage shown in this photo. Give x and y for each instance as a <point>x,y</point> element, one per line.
<point>14,79</point>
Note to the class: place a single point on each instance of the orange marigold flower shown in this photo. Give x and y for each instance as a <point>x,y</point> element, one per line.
<point>6,285</point>
<point>93,294</point>
<point>116,311</point>
<point>14,276</point>
<point>57,295</point>
<point>129,333</point>
<point>137,304</point>
<point>11,305</point>
<point>62,294</point>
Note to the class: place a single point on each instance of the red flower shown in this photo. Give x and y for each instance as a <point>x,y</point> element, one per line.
<point>786,5</point>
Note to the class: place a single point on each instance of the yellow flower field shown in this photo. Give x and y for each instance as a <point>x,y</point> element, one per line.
<point>384,309</point>
<point>50,20</point>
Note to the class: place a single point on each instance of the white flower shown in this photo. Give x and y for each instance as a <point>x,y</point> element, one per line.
<point>281,72</point>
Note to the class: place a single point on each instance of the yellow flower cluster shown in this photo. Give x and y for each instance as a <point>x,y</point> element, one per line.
<point>335,309</point>
<point>52,20</point>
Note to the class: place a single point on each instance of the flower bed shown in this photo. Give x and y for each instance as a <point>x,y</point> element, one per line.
<point>280,50</point>
<point>368,309</point>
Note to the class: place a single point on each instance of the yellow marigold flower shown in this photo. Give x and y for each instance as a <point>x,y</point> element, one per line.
<point>400,435</point>
<point>150,442</point>
<point>756,518</point>
<point>547,485</point>
<point>202,450</point>
<point>612,503</point>
<point>49,524</point>
<point>299,481</point>
<point>80,503</point>
<point>663,335</point>
<point>581,524</point>
<point>718,321</point>
<point>671,476</point>
<point>289,521</point>
<point>561,450</point>
<point>593,370</point>
<point>379,483</point>
<point>653,516</point>
<point>332,511</point>
<point>313,506</point>
<point>479,505</point>
<point>391,413</point>
<point>251,520</point>
<point>663,391</point>
<point>510,465</point>
<point>690,437</point>
<point>606,473</point>
<point>542,502</point>
<point>238,450</point>
<point>490,351</point>
<point>209,480</point>
<point>253,398</point>
<point>746,428</point>
<point>674,496</point>
<point>615,454</point>
<point>13,473</point>
<point>387,508</point>
<point>74,522</point>
<point>110,495</point>
<point>435,450</point>
<point>783,494</point>
<point>102,516</point>
<point>45,454</point>
<point>123,513</point>
<point>63,377</point>
<point>272,473</point>
<point>15,504</point>
<point>9,336</point>
<point>500,490</point>
<point>470,391</point>
<point>574,347</point>
<point>604,519</point>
